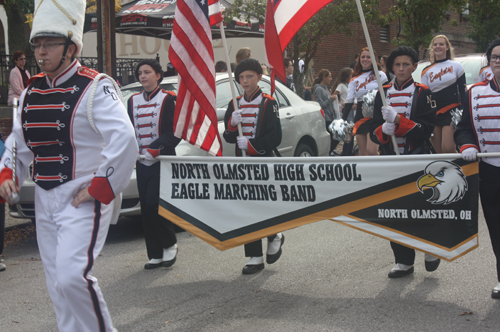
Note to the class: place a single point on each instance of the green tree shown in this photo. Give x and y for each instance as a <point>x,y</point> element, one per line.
<point>484,17</point>
<point>18,29</point>
<point>336,17</point>
<point>420,19</point>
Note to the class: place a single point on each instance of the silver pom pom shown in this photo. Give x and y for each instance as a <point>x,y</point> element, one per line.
<point>456,115</point>
<point>341,130</point>
<point>369,103</point>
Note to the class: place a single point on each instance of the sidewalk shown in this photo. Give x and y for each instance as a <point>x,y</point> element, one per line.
<point>14,222</point>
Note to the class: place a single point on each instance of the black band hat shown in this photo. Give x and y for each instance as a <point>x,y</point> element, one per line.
<point>493,44</point>
<point>399,51</point>
<point>247,64</point>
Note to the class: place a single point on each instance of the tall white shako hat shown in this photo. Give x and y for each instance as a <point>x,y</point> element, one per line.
<point>59,18</point>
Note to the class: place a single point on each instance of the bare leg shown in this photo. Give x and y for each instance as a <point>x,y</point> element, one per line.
<point>436,139</point>
<point>448,143</point>
<point>362,140</point>
<point>372,147</point>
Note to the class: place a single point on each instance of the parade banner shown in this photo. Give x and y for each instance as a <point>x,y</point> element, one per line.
<point>422,202</point>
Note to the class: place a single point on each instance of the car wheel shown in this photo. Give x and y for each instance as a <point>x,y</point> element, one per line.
<point>303,150</point>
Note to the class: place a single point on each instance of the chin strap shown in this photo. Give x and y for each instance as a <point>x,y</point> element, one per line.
<point>68,42</point>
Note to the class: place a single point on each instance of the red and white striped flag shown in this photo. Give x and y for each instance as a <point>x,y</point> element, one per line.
<point>191,54</point>
<point>283,19</point>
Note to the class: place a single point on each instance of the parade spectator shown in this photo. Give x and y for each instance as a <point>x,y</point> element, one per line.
<point>356,59</point>
<point>258,114</point>
<point>412,122</point>
<point>288,74</point>
<point>220,67</point>
<point>243,53</point>
<point>18,78</point>
<point>152,114</point>
<point>170,70</point>
<point>328,102</point>
<point>481,110</point>
<point>363,80</point>
<point>446,79</point>
<point>79,169</point>
<point>383,67</point>
<point>340,87</point>
<point>265,69</point>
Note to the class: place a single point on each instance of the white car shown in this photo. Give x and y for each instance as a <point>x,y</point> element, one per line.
<point>302,122</point>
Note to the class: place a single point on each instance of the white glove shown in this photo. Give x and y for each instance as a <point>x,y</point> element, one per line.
<point>148,156</point>
<point>469,154</point>
<point>242,142</point>
<point>236,118</point>
<point>388,113</point>
<point>388,128</point>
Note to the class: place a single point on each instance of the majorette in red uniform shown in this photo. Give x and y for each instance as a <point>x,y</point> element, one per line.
<point>261,127</point>
<point>82,159</point>
<point>152,114</point>
<point>479,131</point>
<point>409,116</point>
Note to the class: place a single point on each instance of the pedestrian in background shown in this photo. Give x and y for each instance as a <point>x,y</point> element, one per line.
<point>18,78</point>
<point>328,102</point>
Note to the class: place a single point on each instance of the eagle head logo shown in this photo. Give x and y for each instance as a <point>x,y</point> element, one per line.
<point>447,181</point>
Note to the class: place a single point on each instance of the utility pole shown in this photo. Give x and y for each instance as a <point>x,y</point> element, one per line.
<point>106,42</point>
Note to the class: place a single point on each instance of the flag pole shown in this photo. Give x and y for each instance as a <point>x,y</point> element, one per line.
<point>231,79</point>
<point>375,67</point>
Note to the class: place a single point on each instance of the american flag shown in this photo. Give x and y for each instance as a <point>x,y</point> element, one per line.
<point>192,55</point>
<point>283,19</point>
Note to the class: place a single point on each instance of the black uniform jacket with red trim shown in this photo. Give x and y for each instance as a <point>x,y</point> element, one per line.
<point>268,130</point>
<point>415,128</point>
<point>465,133</point>
<point>166,142</point>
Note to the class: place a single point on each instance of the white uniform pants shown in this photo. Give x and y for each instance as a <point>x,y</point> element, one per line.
<point>70,239</point>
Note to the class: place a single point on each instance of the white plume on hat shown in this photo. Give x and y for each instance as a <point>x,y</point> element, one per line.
<point>59,18</point>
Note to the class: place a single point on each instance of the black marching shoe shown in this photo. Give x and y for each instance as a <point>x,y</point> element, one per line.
<point>153,264</point>
<point>168,263</point>
<point>398,271</point>
<point>251,269</point>
<point>270,259</point>
<point>432,265</point>
<point>495,293</point>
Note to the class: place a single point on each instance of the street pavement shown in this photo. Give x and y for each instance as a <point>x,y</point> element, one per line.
<point>329,278</point>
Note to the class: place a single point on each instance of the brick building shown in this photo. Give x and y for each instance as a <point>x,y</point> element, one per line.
<point>337,51</point>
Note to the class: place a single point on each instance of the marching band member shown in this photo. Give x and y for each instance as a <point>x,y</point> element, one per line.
<point>478,131</point>
<point>408,115</point>
<point>363,80</point>
<point>82,159</point>
<point>261,126</point>
<point>446,79</point>
<point>152,114</point>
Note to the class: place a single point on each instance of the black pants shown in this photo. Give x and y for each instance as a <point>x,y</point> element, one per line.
<point>254,249</point>
<point>158,232</point>
<point>489,190</point>
<point>403,255</point>
<point>2,226</point>
<point>333,142</point>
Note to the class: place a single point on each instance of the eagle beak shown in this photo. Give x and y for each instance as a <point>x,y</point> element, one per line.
<point>427,181</point>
